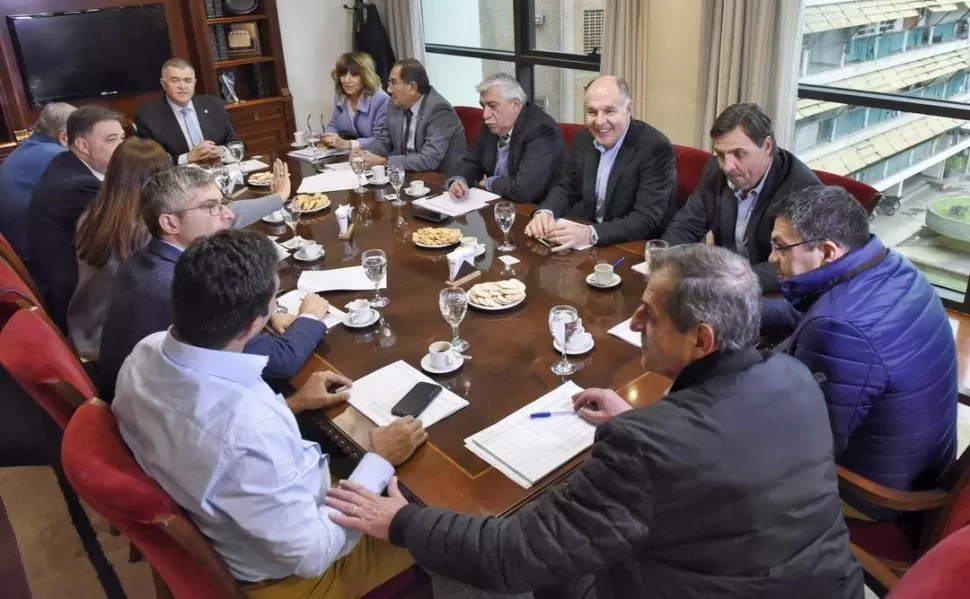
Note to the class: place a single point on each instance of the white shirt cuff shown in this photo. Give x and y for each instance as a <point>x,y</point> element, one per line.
<point>183,159</point>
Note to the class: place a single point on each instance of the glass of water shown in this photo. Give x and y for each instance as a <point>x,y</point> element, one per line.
<point>292,211</point>
<point>453,303</point>
<point>236,150</point>
<point>222,178</point>
<point>505,216</point>
<point>357,164</point>
<point>562,325</point>
<point>651,250</point>
<point>375,267</point>
<point>313,140</point>
<point>396,175</point>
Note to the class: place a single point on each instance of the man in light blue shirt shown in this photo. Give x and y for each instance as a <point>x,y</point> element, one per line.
<point>200,421</point>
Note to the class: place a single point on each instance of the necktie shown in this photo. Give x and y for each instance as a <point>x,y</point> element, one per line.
<point>407,129</point>
<point>195,136</point>
<point>505,140</point>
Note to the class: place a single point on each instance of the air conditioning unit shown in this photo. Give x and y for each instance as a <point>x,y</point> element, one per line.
<point>540,19</point>
<point>542,102</point>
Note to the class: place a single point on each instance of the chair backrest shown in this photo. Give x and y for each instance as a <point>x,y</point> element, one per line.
<point>14,292</point>
<point>40,360</point>
<point>471,119</point>
<point>690,165</point>
<point>569,131</point>
<point>104,474</point>
<point>942,573</point>
<point>865,194</point>
<point>10,256</point>
<point>955,515</point>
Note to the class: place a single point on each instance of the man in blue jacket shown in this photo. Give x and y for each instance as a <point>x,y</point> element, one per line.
<point>874,333</point>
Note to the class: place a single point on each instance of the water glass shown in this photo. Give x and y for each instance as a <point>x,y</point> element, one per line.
<point>562,325</point>
<point>396,175</point>
<point>292,211</point>
<point>357,164</point>
<point>375,267</point>
<point>236,150</point>
<point>223,179</point>
<point>505,216</point>
<point>453,303</point>
<point>313,140</point>
<point>652,249</point>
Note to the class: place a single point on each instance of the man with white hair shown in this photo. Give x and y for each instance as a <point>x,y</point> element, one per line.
<point>520,152</point>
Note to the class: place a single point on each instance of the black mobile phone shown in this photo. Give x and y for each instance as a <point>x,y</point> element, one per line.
<point>431,216</point>
<point>416,400</point>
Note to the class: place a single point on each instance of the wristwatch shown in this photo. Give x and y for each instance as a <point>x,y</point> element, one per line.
<point>593,237</point>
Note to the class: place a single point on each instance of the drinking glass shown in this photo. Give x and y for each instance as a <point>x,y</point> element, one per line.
<point>357,164</point>
<point>505,216</point>
<point>236,150</point>
<point>313,140</point>
<point>562,325</point>
<point>396,175</point>
<point>652,249</point>
<point>375,267</point>
<point>292,211</point>
<point>453,303</point>
<point>222,178</point>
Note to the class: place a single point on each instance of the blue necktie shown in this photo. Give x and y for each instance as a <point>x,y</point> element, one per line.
<point>195,136</point>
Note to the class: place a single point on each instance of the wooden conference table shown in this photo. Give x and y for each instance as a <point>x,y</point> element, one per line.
<point>511,350</point>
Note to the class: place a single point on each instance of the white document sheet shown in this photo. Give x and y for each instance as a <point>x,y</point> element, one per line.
<point>445,204</point>
<point>529,449</point>
<point>251,165</point>
<point>291,300</point>
<point>351,278</point>
<point>640,268</point>
<point>624,332</point>
<point>375,394</point>
<point>307,153</point>
<point>281,252</point>
<point>329,180</point>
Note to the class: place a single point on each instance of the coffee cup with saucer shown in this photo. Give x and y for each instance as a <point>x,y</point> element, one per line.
<point>310,252</point>
<point>603,276</point>
<point>378,175</point>
<point>441,358</point>
<point>360,314</point>
<point>472,242</point>
<point>417,188</point>
<point>579,343</point>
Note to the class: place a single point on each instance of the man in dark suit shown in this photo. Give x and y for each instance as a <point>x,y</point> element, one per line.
<point>425,132</point>
<point>519,153</point>
<point>739,188</point>
<point>69,184</point>
<point>622,177</point>
<point>190,128</point>
<point>179,206</point>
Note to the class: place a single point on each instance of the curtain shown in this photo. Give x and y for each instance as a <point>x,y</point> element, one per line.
<point>625,47</point>
<point>405,27</point>
<point>753,52</point>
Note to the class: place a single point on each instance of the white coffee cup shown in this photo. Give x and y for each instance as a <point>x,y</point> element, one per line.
<point>603,273</point>
<point>441,355</point>
<point>469,242</point>
<point>379,172</point>
<point>360,311</point>
<point>417,187</point>
<point>299,138</point>
<point>311,251</point>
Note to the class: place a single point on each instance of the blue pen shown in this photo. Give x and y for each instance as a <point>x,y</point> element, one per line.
<point>548,414</point>
<point>618,263</point>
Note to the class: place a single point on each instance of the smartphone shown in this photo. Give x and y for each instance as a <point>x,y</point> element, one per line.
<point>429,215</point>
<point>416,400</point>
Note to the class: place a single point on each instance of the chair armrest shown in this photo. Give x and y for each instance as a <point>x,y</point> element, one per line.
<point>906,501</point>
<point>875,568</point>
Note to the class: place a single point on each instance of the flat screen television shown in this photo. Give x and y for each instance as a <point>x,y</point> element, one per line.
<point>87,54</point>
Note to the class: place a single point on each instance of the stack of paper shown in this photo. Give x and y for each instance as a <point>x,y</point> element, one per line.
<point>475,199</point>
<point>308,155</point>
<point>351,278</point>
<point>251,165</point>
<point>528,449</point>
<point>332,179</point>
<point>292,300</point>
<point>624,332</point>
<point>375,394</point>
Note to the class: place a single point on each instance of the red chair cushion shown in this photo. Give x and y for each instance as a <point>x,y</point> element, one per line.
<point>690,165</point>
<point>569,131</point>
<point>943,573</point>
<point>471,119</point>
<point>866,195</point>
<point>10,280</point>
<point>883,540</point>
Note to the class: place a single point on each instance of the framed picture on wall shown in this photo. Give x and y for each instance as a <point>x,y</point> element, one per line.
<point>243,40</point>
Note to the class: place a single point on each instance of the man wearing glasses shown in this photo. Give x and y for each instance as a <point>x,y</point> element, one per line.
<point>179,206</point>
<point>873,331</point>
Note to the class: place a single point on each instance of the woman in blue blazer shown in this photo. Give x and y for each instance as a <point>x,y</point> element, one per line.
<point>360,104</point>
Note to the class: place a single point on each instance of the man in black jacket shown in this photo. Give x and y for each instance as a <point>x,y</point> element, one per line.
<point>622,177</point>
<point>741,184</point>
<point>725,488</point>
<point>190,127</point>
<point>518,154</point>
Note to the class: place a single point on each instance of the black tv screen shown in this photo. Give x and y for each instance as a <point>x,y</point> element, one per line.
<point>90,53</point>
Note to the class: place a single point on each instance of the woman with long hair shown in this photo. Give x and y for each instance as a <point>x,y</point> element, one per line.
<point>110,229</point>
<point>360,104</point>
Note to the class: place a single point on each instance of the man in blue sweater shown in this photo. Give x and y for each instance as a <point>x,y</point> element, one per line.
<point>874,333</point>
<point>21,171</point>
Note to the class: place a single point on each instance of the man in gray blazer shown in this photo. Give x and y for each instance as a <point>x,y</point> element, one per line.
<point>425,132</point>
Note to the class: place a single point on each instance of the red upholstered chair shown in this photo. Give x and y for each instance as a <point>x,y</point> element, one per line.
<point>943,573</point>
<point>690,165</point>
<point>569,131</point>
<point>14,292</point>
<point>866,195</point>
<point>10,256</point>
<point>472,120</point>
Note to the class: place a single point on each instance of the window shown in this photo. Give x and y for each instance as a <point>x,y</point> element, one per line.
<point>482,24</point>
<point>564,91</point>
<point>455,77</point>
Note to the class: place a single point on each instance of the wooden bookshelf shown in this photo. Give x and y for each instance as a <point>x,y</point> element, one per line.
<point>239,19</point>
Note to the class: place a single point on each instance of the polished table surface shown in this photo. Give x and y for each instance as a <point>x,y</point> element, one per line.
<point>511,350</point>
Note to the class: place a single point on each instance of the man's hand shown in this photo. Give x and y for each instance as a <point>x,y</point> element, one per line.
<point>597,406</point>
<point>458,189</point>
<point>205,151</point>
<point>397,441</point>
<point>280,321</point>
<point>315,393</point>
<point>371,159</point>
<point>281,179</point>
<point>567,235</point>
<point>364,511</point>
<point>314,305</point>
<point>333,140</point>
<point>540,225</point>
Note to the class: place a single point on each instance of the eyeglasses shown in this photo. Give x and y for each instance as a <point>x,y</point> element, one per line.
<point>781,248</point>
<point>215,207</point>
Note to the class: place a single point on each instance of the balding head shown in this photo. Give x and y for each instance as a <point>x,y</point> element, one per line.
<point>608,109</point>
<point>53,121</point>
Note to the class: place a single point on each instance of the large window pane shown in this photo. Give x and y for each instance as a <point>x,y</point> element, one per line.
<point>455,77</point>
<point>569,26</point>
<point>469,23</point>
<point>560,92</point>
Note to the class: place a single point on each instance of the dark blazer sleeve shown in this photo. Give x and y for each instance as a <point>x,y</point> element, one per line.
<point>471,166</point>
<point>568,190</point>
<point>542,157</point>
<point>692,221</point>
<point>441,128</point>
<point>596,517</point>
<point>287,352</point>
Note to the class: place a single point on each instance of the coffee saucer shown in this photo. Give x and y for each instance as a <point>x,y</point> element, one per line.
<point>376,181</point>
<point>418,194</point>
<point>426,365</point>
<point>296,145</point>
<point>297,256</point>
<point>575,351</point>
<point>591,280</point>
<point>374,317</point>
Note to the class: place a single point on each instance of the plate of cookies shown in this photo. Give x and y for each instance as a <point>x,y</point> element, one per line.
<point>311,202</point>
<point>436,237</point>
<point>497,295</point>
<point>263,179</point>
